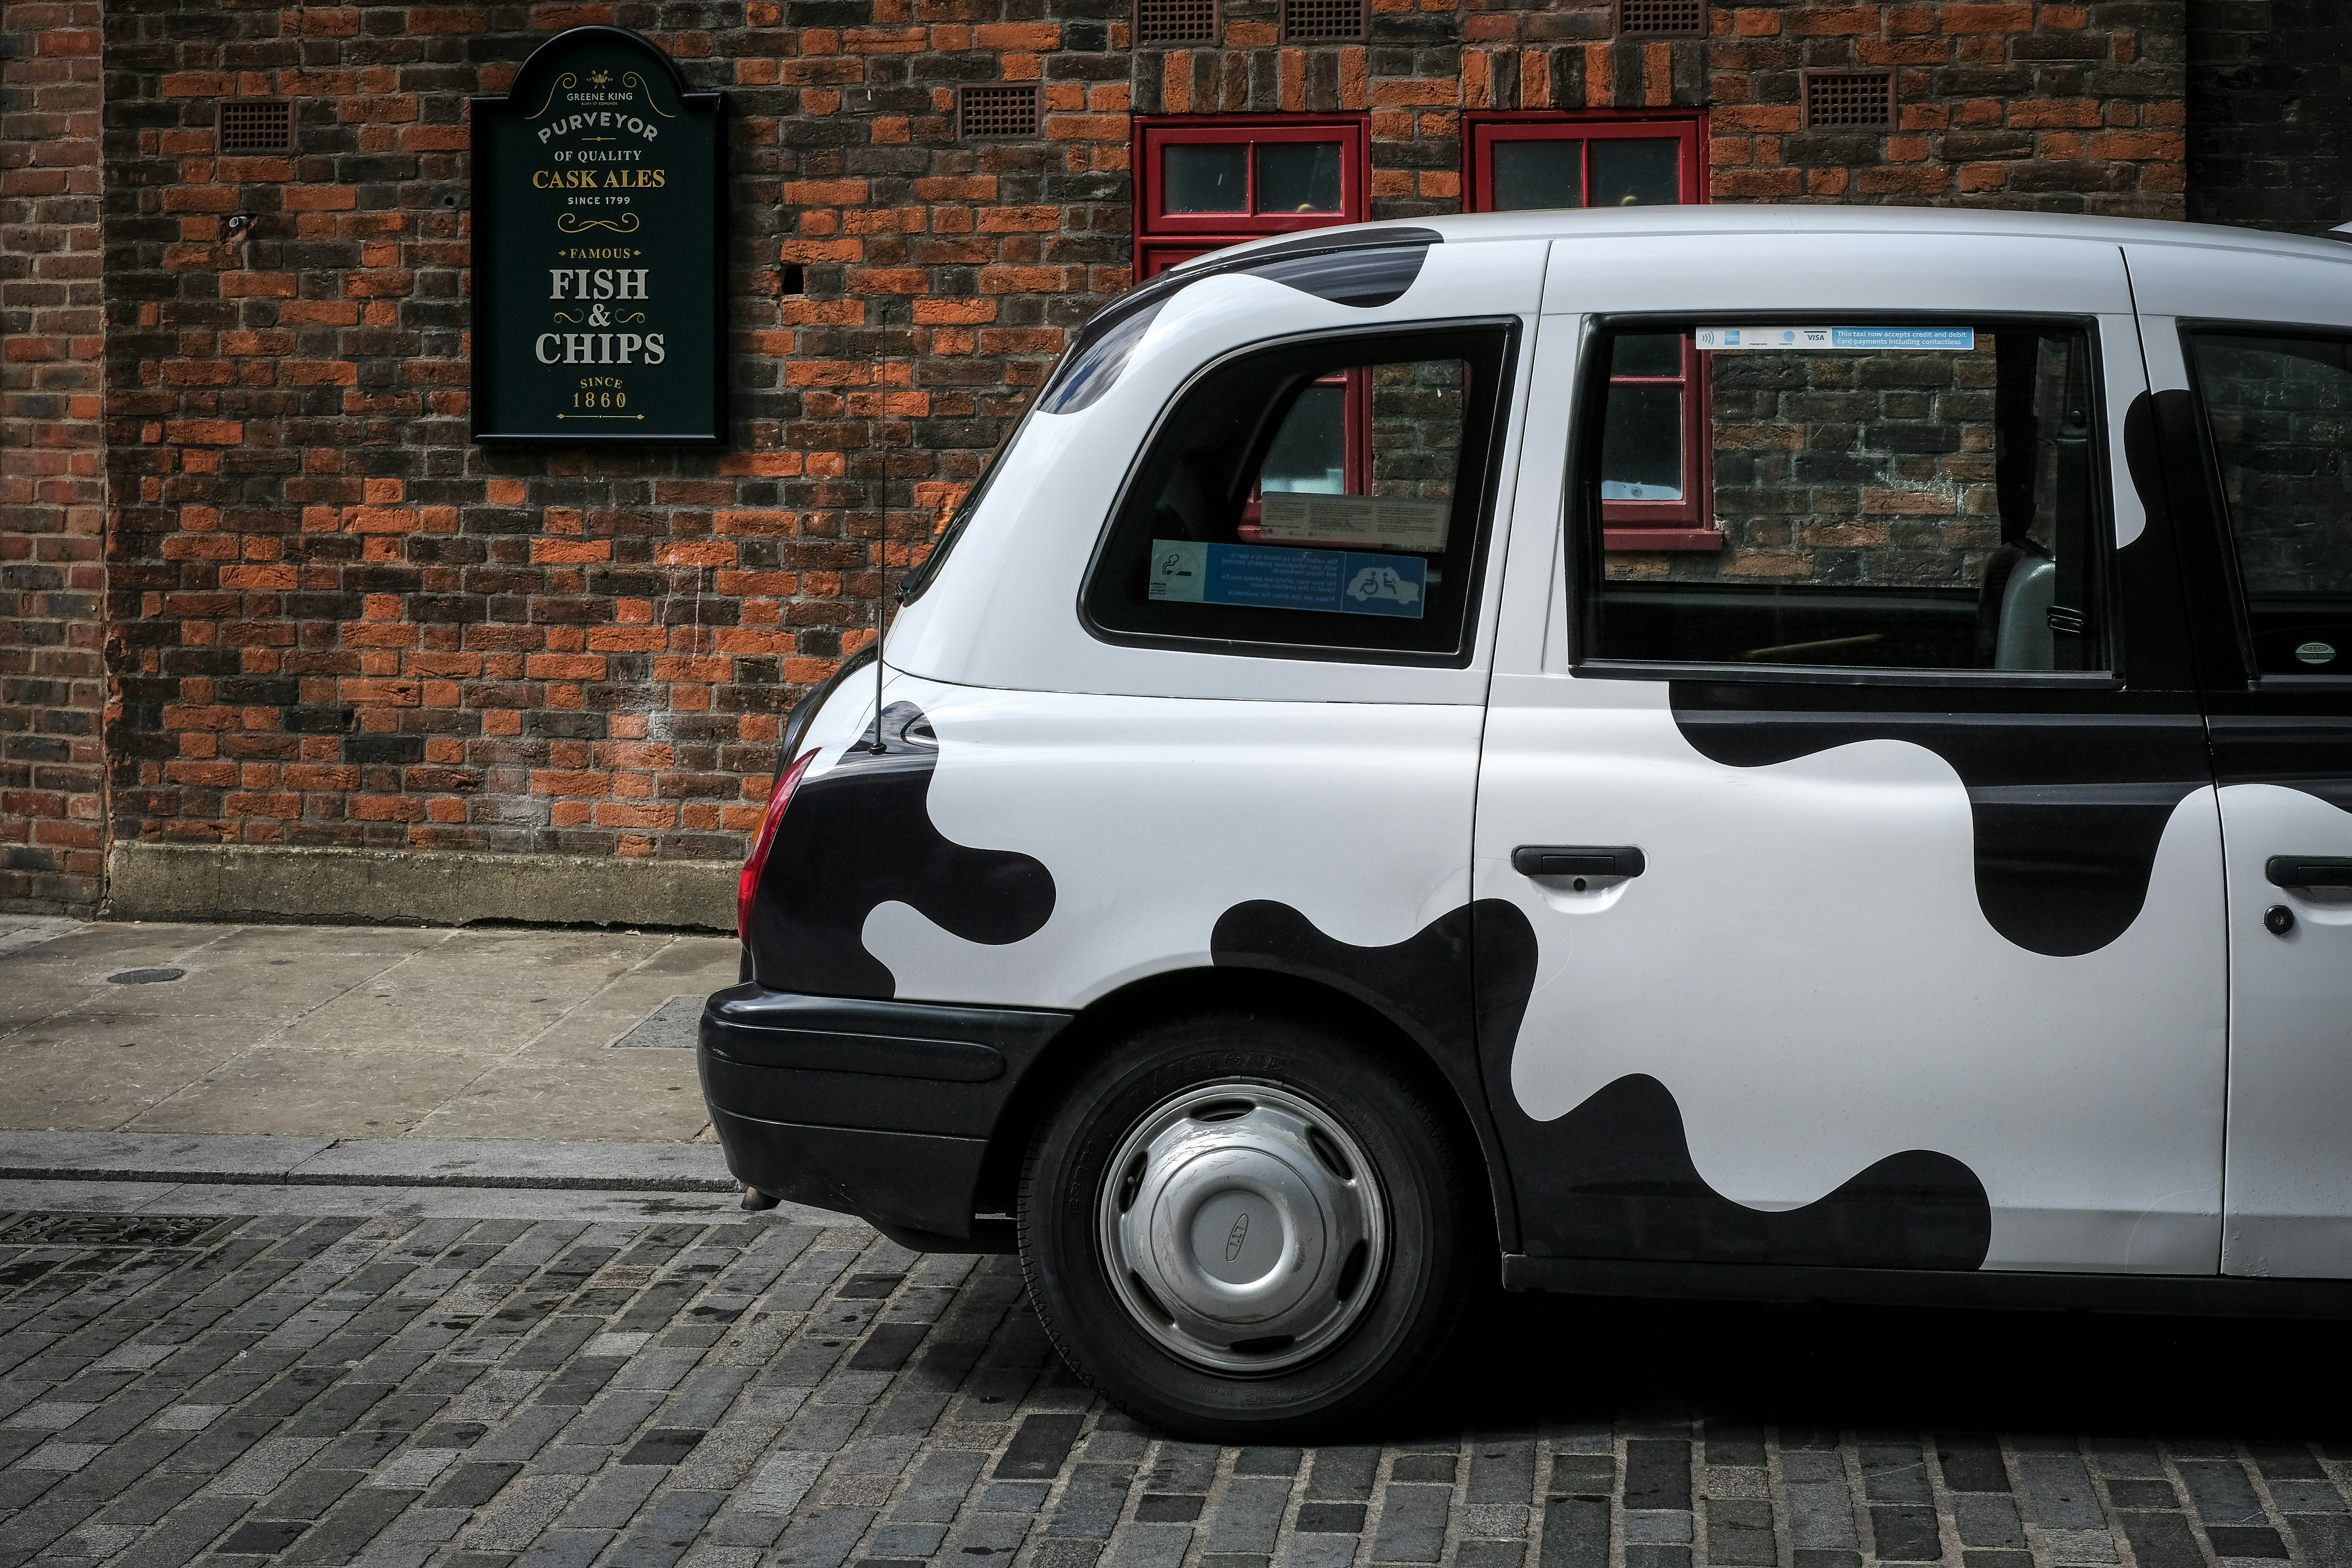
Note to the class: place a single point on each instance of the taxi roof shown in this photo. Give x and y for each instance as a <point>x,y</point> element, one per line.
<point>1728,220</point>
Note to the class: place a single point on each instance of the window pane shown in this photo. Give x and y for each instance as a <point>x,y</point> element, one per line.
<point>1204,177</point>
<point>1643,172</point>
<point>1642,444</point>
<point>1298,177</point>
<point>1531,175</point>
<point>1234,528</point>
<point>1310,451</point>
<point>1647,354</point>
<point>2281,412</point>
<point>1895,497</point>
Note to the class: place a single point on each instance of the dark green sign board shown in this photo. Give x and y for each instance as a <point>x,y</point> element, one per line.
<point>599,249</point>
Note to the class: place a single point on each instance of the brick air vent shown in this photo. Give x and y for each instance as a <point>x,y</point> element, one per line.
<point>1662,18</point>
<point>1322,21</point>
<point>997,111</point>
<point>1849,100</point>
<point>1175,21</point>
<point>256,125</point>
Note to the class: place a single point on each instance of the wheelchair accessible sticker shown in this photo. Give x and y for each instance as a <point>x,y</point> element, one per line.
<point>1267,578</point>
<point>1935,339</point>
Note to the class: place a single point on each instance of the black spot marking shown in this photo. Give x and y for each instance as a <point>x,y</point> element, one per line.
<point>861,835</point>
<point>1617,1181</point>
<point>1423,982</point>
<point>1364,279</point>
<point>2308,752</point>
<point>1614,1177</point>
<point>1363,268</point>
<point>2068,805</point>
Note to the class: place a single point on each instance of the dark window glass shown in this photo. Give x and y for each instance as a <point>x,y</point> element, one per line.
<point>1298,177</point>
<point>1647,354</point>
<point>1533,175</point>
<point>1631,172</point>
<point>1206,177</point>
<point>2280,408</point>
<point>1329,495</point>
<point>1642,445</point>
<point>1908,496</point>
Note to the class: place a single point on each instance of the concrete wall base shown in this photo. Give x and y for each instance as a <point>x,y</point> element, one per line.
<point>150,881</point>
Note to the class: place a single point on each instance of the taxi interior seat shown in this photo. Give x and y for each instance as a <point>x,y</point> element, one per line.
<point>2020,584</point>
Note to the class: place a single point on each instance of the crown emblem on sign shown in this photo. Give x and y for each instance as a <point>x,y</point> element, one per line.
<point>600,78</point>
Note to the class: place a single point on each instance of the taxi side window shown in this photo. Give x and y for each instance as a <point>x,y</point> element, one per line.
<point>1329,497</point>
<point>2279,406</point>
<point>1917,495</point>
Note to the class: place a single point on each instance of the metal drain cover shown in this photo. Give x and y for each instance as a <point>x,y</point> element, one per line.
<point>144,976</point>
<point>107,1230</point>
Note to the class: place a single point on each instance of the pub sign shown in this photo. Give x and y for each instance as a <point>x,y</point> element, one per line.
<point>599,249</point>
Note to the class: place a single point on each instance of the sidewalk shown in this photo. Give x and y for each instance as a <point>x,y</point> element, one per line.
<point>356,1031</point>
<point>188,1065</point>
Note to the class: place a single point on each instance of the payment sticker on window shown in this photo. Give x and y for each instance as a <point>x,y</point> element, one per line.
<point>1268,578</point>
<point>1943,340</point>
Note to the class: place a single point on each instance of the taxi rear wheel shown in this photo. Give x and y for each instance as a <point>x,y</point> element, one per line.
<point>1242,1227</point>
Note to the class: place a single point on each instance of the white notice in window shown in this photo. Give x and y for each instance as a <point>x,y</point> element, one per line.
<point>1392,521</point>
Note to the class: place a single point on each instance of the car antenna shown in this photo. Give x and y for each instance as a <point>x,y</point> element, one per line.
<point>881,610</point>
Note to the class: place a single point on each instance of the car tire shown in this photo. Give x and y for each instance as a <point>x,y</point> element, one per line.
<point>1242,1228</point>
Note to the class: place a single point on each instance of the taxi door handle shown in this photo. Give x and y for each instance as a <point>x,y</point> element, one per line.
<point>2307,871</point>
<point>1580,861</point>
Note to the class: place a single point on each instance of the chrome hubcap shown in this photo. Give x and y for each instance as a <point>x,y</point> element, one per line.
<point>1242,1227</point>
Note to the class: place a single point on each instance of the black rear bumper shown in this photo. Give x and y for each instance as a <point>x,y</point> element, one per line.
<point>883,1110</point>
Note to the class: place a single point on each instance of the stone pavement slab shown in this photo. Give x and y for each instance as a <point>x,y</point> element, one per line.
<point>462,1384</point>
<point>348,1032</point>
<point>31,931</point>
<point>67,1194</point>
<point>401,1162</point>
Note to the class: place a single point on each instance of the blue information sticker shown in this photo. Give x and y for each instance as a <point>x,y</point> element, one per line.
<point>1949,340</point>
<point>1344,581</point>
<point>1940,340</point>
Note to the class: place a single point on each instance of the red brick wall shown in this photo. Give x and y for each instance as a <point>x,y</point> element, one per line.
<point>52,494</point>
<point>339,622</point>
<point>2023,104</point>
<point>2270,111</point>
<point>335,621</point>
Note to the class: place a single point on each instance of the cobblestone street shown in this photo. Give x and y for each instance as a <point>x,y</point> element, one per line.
<point>397,1390</point>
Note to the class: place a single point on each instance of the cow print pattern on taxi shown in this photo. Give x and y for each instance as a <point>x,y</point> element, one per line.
<point>1614,1177</point>
<point>860,835</point>
<point>2069,807</point>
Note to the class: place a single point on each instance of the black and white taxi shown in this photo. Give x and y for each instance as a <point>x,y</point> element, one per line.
<point>1738,750</point>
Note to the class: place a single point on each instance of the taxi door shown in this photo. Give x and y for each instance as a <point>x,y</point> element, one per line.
<point>2251,357</point>
<point>1847,858</point>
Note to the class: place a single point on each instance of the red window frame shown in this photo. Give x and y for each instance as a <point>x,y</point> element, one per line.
<point>1163,238</point>
<point>1684,524</point>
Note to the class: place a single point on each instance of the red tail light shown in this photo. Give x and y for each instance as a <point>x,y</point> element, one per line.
<point>765,841</point>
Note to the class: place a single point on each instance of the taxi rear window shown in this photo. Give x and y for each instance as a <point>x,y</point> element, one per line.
<point>1327,496</point>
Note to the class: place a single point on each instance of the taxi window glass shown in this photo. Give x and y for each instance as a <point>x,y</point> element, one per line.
<point>1914,496</point>
<point>1329,494</point>
<point>2280,410</point>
